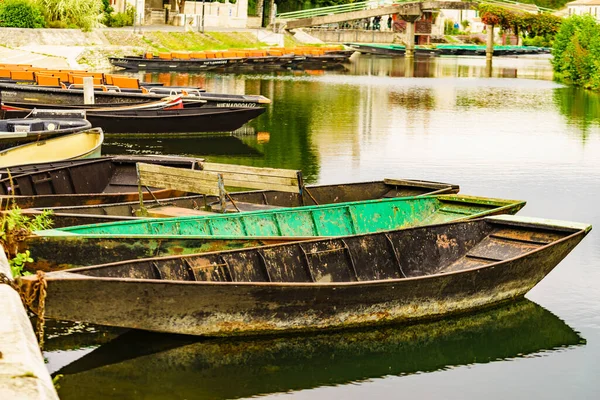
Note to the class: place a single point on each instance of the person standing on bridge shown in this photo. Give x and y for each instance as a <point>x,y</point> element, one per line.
<point>377,23</point>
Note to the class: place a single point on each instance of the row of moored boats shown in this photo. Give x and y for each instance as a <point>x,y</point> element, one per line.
<point>159,243</point>
<point>45,117</point>
<point>171,244</point>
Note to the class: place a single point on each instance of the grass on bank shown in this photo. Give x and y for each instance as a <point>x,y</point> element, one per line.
<point>189,41</point>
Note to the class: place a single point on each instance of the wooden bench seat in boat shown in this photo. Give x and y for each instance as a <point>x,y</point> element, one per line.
<point>212,179</point>
<point>172,211</point>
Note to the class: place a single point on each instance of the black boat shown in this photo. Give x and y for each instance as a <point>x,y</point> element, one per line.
<point>29,95</point>
<point>15,132</point>
<point>138,63</point>
<point>194,120</point>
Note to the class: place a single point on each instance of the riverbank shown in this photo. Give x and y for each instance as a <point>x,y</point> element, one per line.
<point>23,373</point>
<point>74,49</point>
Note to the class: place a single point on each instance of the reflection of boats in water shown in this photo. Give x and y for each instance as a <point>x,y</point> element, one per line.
<point>141,364</point>
<point>188,144</point>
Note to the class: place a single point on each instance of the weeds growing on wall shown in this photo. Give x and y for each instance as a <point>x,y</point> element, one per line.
<point>14,227</point>
<point>576,52</point>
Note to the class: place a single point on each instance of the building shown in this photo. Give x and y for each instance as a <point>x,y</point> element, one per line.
<point>581,7</point>
<point>160,12</point>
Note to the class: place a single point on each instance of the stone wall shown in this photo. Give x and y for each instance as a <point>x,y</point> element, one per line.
<point>354,36</point>
<point>23,374</point>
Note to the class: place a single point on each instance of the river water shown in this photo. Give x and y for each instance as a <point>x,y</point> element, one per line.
<point>515,135</point>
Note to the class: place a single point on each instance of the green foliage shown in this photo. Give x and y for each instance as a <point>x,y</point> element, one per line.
<point>79,13</point>
<point>538,41</point>
<point>17,263</point>
<point>530,25</point>
<point>449,28</point>
<point>57,25</point>
<point>117,20</point>
<point>554,4</point>
<point>20,14</point>
<point>55,381</point>
<point>107,11</point>
<point>14,227</point>
<point>576,52</point>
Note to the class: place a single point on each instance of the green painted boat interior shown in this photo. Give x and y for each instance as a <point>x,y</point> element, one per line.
<point>328,220</point>
<point>461,46</point>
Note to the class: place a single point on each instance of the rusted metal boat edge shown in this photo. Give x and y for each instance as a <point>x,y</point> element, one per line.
<point>577,227</point>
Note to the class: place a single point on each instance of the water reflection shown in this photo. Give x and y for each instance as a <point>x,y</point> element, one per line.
<point>183,145</point>
<point>161,366</point>
<point>581,108</point>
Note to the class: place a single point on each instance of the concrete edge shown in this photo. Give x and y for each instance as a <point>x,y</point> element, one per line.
<point>23,373</point>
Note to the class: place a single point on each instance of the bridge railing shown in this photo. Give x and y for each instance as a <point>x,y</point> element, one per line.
<point>363,5</point>
<point>315,12</point>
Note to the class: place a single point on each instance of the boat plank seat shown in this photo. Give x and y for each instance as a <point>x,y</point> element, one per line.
<point>180,55</point>
<point>22,75</point>
<point>78,79</point>
<point>5,72</point>
<point>213,177</point>
<point>47,80</point>
<point>173,211</point>
<point>285,180</point>
<point>125,82</point>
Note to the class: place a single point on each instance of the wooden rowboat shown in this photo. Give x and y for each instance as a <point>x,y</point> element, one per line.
<point>395,276</point>
<point>86,144</point>
<point>71,247</point>
<point>167,366</point>
<point>76,182</point>
<point>325,220</point>
<point>14,132</point>
<point>64,216</point>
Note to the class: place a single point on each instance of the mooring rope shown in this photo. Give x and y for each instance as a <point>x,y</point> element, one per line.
<point>37,292</point>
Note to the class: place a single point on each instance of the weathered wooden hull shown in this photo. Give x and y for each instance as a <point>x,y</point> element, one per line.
<point>66,252</point>
<point>397,276</point>
<point>325,220</point>
<point>32,94</point>
<point>84,144</point>
<point>322,194</point>
<point>95,181</point>
<point>62,249</point>
<point>168,365</point>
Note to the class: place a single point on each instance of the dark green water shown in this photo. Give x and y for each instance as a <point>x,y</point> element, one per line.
<point>516,135</point>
